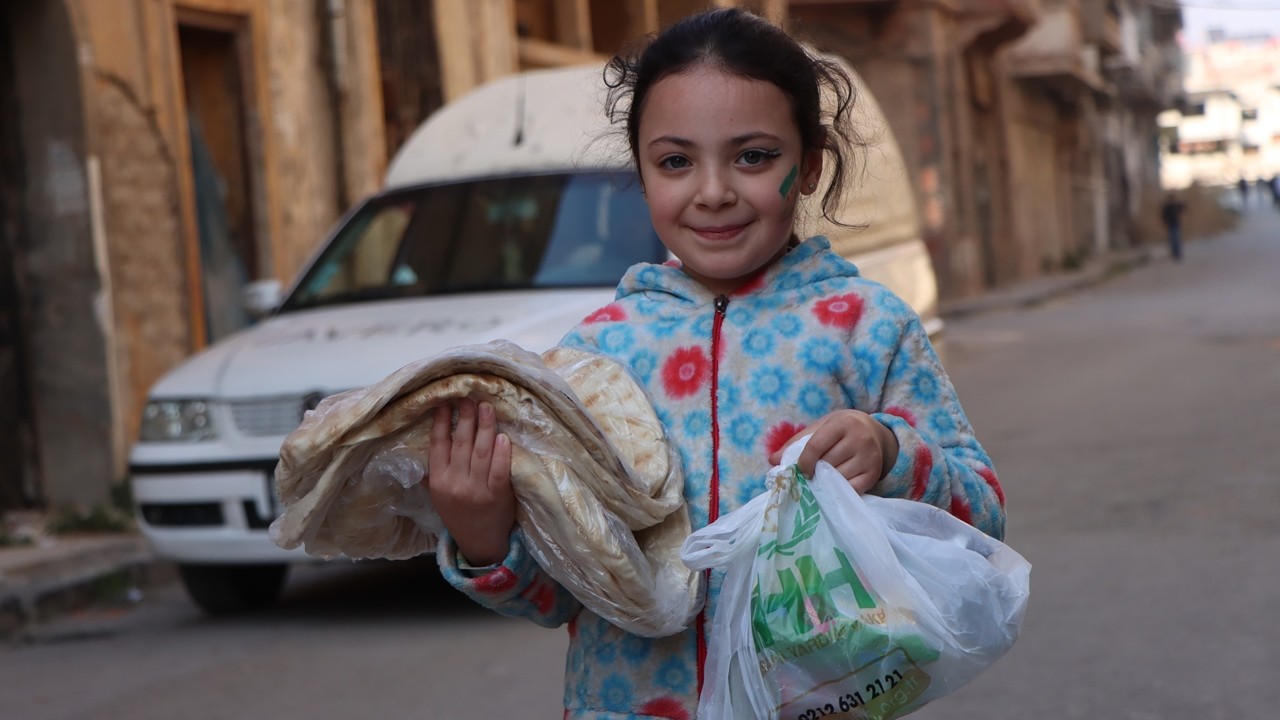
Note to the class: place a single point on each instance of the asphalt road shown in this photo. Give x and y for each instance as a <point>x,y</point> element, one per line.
<point>1135,429</point>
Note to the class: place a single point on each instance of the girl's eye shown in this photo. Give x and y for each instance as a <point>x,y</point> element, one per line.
<point>675,162</point>
<point>757,157</point>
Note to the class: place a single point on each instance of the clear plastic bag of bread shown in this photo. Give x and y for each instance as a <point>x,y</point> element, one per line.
<point>599,489</point>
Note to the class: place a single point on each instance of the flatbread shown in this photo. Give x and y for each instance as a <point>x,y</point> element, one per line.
<point>599,491</point>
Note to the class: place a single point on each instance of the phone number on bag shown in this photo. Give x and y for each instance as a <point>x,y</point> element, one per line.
<point>852,701</point>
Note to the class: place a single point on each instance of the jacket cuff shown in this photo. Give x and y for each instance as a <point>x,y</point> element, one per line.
<point>908,478</point>
<point>497,582</point>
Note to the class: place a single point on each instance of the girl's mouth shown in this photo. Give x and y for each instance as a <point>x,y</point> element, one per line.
<point>720,232</point>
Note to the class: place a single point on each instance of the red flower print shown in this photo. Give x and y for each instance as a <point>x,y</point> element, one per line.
<point>498,581</point>
<point>685,371</point>
<point>665,708</point>
<point>839,311</point>
<point>542,595</point>
<point>779,434</point>
<point>920,479</point>
<point>960,508</point>
<point>903,413</point>
<point>608,313</point>
<point>672,263</point>
<point>750,286</point>
<point>990,476</point>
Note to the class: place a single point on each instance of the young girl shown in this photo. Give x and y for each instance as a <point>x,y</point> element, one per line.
<point>751,340</point>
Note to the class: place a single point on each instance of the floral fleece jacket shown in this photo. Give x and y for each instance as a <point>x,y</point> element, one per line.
<point>732,378</point>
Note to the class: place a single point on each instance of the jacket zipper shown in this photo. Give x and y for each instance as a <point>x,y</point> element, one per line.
<point>713,505</point>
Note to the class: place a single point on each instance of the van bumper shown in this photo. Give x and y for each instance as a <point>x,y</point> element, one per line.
<point>209,513</point>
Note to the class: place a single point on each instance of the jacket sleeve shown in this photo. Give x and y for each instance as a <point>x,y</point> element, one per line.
<point>517,587</point>
<point>939,459</point>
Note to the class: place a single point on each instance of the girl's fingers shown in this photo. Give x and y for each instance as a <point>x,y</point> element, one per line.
<point>441,442</point>
<point>500,468</point>
<point>464,437</point>
<point>486,429</point>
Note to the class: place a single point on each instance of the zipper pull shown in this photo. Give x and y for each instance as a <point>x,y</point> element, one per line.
<point>722,303</point>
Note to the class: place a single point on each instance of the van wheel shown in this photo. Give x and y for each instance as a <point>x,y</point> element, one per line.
<point>233,589</point>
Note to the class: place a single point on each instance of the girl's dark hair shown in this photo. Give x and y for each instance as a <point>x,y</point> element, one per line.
<point>740,43</point>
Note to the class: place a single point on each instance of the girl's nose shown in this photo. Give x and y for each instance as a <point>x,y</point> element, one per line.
<point>714,189</point>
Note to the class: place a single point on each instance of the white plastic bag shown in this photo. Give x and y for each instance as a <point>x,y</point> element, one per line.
<point>843,606</point>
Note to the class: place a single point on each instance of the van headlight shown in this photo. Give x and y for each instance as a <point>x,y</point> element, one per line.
<point>177,420</point>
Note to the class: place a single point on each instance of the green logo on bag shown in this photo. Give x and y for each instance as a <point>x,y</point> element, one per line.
<point>804,598</point>
<point>806,523</point>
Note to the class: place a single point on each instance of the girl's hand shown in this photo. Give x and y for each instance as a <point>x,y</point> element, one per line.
<point>856,444</point>
<point>469,481</point>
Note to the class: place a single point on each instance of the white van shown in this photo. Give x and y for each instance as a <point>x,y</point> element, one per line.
<point>511,213</point>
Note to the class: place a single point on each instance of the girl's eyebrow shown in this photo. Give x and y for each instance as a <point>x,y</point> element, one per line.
<point>736,140</point>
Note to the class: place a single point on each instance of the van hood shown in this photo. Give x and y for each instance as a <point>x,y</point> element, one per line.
<point>328,350</point>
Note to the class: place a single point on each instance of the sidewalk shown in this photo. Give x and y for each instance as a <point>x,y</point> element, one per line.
<point>1038,290</point>
<point>63,575</point>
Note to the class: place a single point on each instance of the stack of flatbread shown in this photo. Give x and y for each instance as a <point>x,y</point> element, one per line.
<point>599,490</point>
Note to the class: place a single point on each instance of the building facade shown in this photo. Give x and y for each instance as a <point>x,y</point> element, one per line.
<point>159,156</point>
<point>1229,127</point>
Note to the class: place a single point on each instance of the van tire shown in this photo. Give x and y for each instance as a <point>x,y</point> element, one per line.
<point>233,589</point>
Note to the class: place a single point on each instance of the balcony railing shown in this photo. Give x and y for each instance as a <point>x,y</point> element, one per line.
<point>1054,51</point>
<point>1100,25</point>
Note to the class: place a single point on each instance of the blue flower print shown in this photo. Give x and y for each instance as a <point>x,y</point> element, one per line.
<point>787,326</point>
<point>744,431</point>
<point>942,423</point>
<point>739,316</point>
<point>665,328</point>
<point>616,339</point>
<point>821,355</point>
<point>697,424</point>
<point>727,395</point>
<point>770,384</point>
<point>703,325</point>
<point>674,675</point>
<point>616,691</point>
<point>648,306</point>
<point>867,365</point>
<point>747,490</point>
<point>758,342</point>
<point>815,400</point>
<point>603,652</point>
<point>664,417</point>
<point>634,648</point>
<point>789,281</point>
<point>925,386</point>
<point>649,277</point>
<point>885,332</point>
<point>643,363</point>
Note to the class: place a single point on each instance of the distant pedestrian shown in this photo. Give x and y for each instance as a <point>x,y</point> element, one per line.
<point>1275,191</point>
<point>1244,193</point>
<point>1171,214</point>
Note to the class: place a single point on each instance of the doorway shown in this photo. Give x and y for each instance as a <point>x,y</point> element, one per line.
<point>222,170</point>
<point>17,472</point>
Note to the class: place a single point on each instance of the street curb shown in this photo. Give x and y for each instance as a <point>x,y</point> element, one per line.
<point>69,574</point>
<point>1040,290</point>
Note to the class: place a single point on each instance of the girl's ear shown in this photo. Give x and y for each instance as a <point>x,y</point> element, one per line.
<point>811,171</point>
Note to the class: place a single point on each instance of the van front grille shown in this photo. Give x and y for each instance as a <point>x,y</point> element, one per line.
<point>182,514</point>
<point>270,417</point>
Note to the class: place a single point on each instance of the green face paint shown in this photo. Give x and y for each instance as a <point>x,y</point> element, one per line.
<point>785,188</point>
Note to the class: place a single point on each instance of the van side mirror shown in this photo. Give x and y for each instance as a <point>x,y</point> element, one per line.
<point>262,297</point>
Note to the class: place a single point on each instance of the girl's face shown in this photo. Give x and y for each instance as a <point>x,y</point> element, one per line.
<point>722,165</point>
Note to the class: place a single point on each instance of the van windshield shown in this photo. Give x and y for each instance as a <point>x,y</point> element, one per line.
<point>511,233</point>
